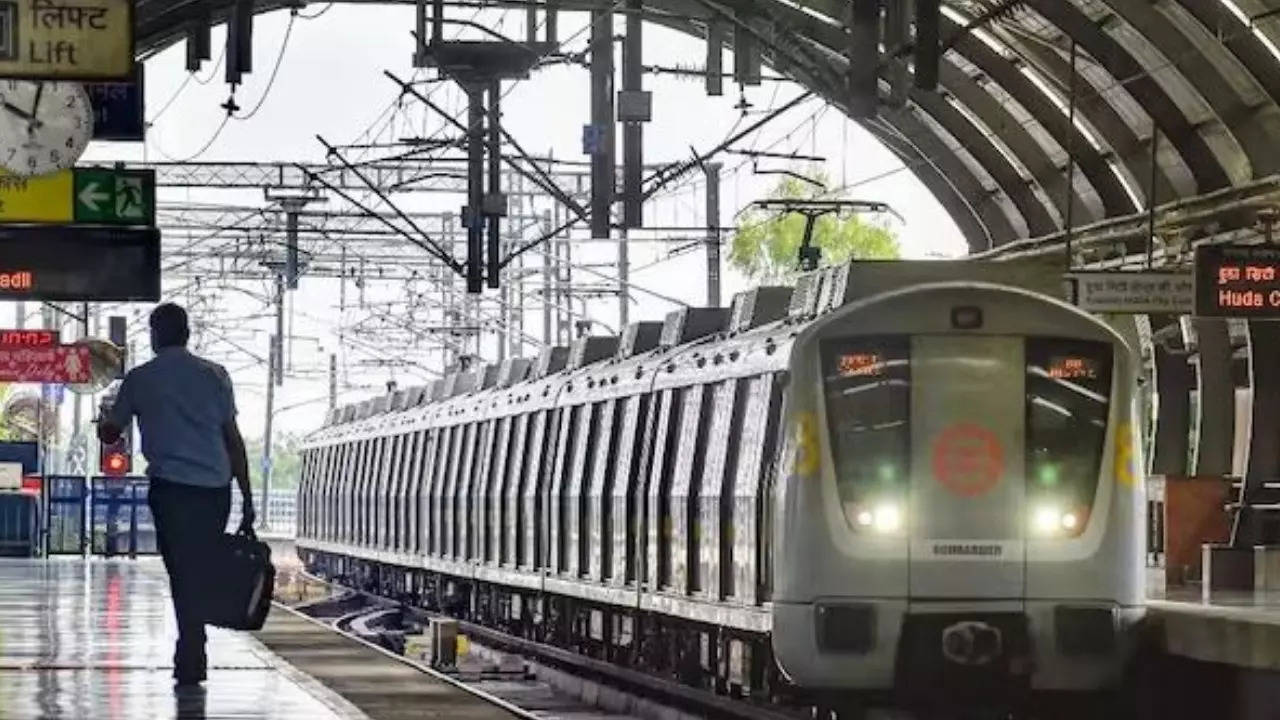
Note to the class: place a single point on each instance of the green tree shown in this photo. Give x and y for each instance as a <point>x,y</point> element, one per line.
<point>286,461</point>
<point>767,243</point>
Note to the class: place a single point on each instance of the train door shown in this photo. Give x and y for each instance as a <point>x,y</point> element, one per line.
<point>967,507</point>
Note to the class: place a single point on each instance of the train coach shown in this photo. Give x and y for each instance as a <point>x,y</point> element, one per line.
<point>906,476</point>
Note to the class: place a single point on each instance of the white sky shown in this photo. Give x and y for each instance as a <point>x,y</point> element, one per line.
<point>330,83</point>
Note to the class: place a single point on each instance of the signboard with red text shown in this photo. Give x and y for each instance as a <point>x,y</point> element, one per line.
<point>29,338</point>
<point>1238,281</point>
<point>57,364</point>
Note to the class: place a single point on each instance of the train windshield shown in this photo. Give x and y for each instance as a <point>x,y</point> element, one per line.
<point>868,392</point>
<point>1068,402</point>
<point>868,387</point>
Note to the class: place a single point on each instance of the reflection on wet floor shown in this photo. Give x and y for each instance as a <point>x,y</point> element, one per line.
<point>93,640</point>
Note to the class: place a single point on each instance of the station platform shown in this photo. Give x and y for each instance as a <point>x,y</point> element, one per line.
<point>1239,629</point>
<point>94,639</point>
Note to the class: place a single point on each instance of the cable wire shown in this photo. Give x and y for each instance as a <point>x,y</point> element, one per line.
<point>284,45</point>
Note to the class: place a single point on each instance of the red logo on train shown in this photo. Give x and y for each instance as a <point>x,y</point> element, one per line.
<point>968,459</point>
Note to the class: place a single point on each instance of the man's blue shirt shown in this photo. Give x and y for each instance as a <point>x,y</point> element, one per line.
<point>182,403</point>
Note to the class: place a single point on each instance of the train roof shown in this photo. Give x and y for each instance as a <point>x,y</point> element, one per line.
<point>690,345</point>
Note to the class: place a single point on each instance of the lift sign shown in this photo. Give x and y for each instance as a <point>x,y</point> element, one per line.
<point>1238,281</point>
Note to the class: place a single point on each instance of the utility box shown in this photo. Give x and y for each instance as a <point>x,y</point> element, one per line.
<point>442,643</point>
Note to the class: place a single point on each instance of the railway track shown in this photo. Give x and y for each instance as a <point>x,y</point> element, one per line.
<point>536,679</point>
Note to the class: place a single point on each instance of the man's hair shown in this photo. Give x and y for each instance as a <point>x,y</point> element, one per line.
<point>169,326</point>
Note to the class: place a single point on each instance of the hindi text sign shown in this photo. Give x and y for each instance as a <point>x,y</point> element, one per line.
<point>1134,292</point>
<point>66,39</point>
<point>1238,281</point>
<point>43,199</point>
<point>118,109</point>
<point>58,364</point>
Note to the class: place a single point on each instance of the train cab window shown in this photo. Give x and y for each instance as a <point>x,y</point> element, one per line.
<point>1068,402</point>
<point>867,383</point>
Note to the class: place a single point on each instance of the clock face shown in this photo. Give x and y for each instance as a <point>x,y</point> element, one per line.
<point>44,126</point>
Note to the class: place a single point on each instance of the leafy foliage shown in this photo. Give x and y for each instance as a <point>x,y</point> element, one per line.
<point>767,244</point>
<point>286,461</point>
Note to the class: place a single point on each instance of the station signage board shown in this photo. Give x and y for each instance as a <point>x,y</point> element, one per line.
<point>30,338</point>
<point>1134,292</point>
<point>79,263</point>
<point>118,109</point>
<point>66,39</point>
<point>57,364</point>
<point>1238,281</point>
<point>100,196</point>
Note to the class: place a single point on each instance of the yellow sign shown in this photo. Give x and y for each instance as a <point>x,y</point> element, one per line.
<point>1126,463</point>
<point>66,39</point>
<point>42,199</point>
<point>806,444</point>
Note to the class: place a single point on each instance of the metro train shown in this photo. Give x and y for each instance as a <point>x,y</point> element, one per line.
<point>908,478</point>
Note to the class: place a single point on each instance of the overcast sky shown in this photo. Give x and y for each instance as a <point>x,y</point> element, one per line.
<point>330,82</point>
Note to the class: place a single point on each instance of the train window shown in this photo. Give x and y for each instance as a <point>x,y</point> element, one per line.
<point>527,521</point>
<point>658,518</point>
<point>584,453</point>
<point>510,518</point>
<point>495,490</point>
<point>867,382</point>
<point>623,519</point>
<point>1068,402</point>
<point>542,514</point>
<point>598,528</point>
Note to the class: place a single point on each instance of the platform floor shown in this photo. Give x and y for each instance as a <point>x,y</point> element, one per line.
<point>1241,629</point>
<point>94,639</point>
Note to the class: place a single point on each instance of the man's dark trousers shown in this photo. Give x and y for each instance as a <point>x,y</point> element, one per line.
<point>189,522</point>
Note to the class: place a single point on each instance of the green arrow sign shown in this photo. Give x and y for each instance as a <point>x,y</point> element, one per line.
<point>115,197</point>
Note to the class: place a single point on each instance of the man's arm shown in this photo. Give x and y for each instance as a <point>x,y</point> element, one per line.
<point>240,460</point>
<point>115,419</point>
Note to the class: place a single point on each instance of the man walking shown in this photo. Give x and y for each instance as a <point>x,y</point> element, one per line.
<point>187,418</point>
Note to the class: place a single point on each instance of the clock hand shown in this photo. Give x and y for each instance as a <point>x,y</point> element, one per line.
<point>39,92</point>
<point>17,111</point>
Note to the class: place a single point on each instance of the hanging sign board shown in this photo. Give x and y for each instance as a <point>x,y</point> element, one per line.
<point>29,338</point>
<point>1134,292</point>
<point>1238,281</point>
<point>118,109</point>
<point>66,39</point>
<point>60,364</point>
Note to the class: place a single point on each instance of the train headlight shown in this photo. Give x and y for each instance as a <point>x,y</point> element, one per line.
<point>865,518</point>
<point>1046,520</point>
<point>887,518</point>
<point>1050,520</point>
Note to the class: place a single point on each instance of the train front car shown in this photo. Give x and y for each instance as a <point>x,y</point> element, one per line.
<point>962,511</point>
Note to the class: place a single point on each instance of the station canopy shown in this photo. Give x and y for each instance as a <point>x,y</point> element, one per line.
<point>1030,93</point>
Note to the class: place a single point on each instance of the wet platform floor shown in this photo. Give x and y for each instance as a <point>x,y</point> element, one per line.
<point>93,639</point>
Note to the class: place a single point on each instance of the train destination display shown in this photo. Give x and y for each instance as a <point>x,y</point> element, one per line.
<point>1238,281</point>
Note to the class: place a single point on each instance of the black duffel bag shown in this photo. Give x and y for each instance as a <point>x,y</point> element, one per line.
<point>241,582</point>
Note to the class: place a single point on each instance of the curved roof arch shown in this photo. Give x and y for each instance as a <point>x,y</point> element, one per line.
<point>1197,79</point>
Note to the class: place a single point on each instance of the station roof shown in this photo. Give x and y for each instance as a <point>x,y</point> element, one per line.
<point>1201,77</point>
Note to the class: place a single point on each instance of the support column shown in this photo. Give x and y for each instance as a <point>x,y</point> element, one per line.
<point>548,259</point>
<point>633,119</point>
<point>272,364</point>
<point>603,165</point>
<point>1173,385</point>
<point>1263,463</point>
<point>494,205</point>
<point>624,281</point>
<point>713,234</point>
<point>1215,433</point>
<point>473,218</point>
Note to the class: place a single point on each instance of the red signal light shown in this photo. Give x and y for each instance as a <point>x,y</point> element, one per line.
<point>116,464</point>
